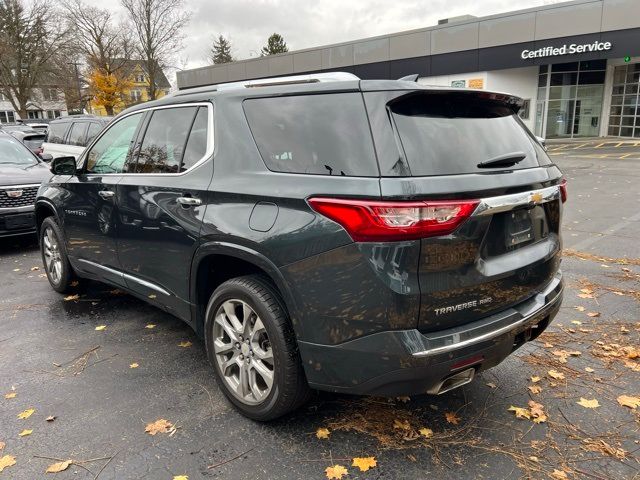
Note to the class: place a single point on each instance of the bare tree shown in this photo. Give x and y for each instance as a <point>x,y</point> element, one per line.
<point>158,25</point>
<point>97,37</point>
<point>30,39</point>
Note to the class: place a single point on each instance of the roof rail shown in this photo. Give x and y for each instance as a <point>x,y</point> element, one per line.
<point>273,81</point>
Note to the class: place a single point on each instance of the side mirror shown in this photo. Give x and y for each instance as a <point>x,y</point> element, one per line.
<point>63,166</point>
<point>542,142</point>
<point>47,157</point>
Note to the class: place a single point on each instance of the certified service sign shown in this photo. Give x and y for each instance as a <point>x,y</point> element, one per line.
<point>566,50</point>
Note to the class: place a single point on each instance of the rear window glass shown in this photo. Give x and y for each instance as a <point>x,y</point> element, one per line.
<point>76,135</point>
<point>449,133</point>
<point>324,134</point>
<point>56,132</point>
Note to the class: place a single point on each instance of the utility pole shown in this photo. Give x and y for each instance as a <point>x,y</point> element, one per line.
<point>75,65</point>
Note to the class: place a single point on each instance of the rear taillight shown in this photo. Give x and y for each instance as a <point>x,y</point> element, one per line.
<point>563,190</point>
<point>375,221</point>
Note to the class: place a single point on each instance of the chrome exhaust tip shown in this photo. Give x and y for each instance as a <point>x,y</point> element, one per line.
<point>454,381</point>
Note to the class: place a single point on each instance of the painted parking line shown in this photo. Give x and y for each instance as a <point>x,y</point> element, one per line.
<point>598,146</point>
<point>626,155</point>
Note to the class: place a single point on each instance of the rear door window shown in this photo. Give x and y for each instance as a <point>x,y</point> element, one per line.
<point>450,133</point>
<point>197,143</point>
<point>77,134</point>
<point>56,132</point>
<point>165,140</point>
<point>325,134</point>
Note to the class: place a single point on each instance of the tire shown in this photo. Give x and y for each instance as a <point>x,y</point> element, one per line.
<point>62,276</point>
<point>289,387</point>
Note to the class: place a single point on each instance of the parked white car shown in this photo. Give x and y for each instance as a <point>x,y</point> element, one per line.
<point>68,136</point>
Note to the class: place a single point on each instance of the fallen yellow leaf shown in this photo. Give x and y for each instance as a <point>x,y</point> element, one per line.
<point>576,322</point>
<point>629,401</point>
<point>364,463</point>
<point>535,389</point>
<point>492,385</point>
<point>555,374</point>
<point>50,418</point>
<point>535,379</point>
<point>593,314</point>
<point>336,472</point>
<point>580,308</point>
<point>7,461</point>
<point>520,412</point>
<point>159,426</point>
<point>588,403</point>
<point>181,477</point>
<point>10,395</point>
<point>185,344</point>
<point>25,432</point>
<point>16,269</point>
<point>59,467</point>
<point>323,433</point>
<point>403,399</point>
<point>589,369</point>
<point>426,432</point>
<point>100,328</point>
<point>69,298</point>
<point>2,445</point>
<point>559,474</point>
<point>401,424</point>
<point>537,412</point>
<point>452,418</point>
<point>134,365</point>
<point>152,296</point>
<point>150,326</point>
<point>26,414</point>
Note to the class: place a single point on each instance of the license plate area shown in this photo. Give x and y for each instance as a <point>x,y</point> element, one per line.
<point>515,229</point>
<point>19,222</point>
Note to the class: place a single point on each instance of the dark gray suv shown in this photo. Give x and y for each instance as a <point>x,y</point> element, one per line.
<point>325,232</point>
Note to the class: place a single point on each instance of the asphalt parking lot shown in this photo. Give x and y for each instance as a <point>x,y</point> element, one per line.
<point>104,385</point>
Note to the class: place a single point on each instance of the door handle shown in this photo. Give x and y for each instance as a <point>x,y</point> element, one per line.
<point>106,194</point>
<point>188,201</point>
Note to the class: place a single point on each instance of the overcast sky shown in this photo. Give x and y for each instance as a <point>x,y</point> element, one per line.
<point>304,23</point>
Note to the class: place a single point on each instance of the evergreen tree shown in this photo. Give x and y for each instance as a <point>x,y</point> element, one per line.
<point>220,51</point>
<point>275,44</point>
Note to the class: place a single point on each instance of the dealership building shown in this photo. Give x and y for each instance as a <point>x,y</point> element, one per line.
<point>576,64</point>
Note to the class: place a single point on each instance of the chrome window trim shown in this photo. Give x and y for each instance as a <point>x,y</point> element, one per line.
<point>505,203</point>
<point>208,153</point>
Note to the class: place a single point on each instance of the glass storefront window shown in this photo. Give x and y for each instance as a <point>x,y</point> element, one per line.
<point>625,101</point>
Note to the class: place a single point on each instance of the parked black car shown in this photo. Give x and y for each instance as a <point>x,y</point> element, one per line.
<point>21,173</point>
<point>367,237</point>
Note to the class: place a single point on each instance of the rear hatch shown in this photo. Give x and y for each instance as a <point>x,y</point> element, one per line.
<point>457,145</point>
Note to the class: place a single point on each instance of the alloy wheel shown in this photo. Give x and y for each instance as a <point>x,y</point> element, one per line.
<point>52,256</point>
<point>243,351</point>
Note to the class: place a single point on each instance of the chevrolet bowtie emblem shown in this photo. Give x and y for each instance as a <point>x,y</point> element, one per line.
<point>536,197</point>
<point>14,193</point>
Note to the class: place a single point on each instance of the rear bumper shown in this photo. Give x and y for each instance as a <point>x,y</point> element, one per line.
<point>17,221</point>
<point>408,362</point>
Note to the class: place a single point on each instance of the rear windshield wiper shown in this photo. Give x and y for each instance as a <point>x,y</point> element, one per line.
<point>505,160</point>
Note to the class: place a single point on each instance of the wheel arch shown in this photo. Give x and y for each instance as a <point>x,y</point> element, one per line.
<point>217,262</point>
<point>44,209</point>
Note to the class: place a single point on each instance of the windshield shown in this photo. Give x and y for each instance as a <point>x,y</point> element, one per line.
<point>13,152</point>
<point>450,133</point>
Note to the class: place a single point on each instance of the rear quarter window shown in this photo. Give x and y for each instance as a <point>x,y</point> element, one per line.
<point>56,132</point>
<point>324,134</point>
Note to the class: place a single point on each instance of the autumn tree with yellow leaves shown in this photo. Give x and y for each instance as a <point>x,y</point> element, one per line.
<point>108,89</point>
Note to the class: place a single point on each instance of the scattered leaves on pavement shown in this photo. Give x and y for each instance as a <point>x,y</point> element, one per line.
<point>184,344</point>
<point>50,418</point>
<point>593,314</point>
<point>593,403</point>
<point>134,365</point>
<point>426,432</point>
<point>2,445</point>
<point>159,426</point>
<point>70,298</point>
<point>556,375</point>
<point>25,433</point>
<point>10,395</point>
<point>335,472</point>
<point>629,401</point>
<point>26,414</point>
<point>452,418</point>
<point>150,326</point>
<point>535,412</point>
<point>59,467</point>
<point>559,474</point>
<point>100,328</point>
<point>181,477</point>
<point>491,385</point>
<point>364,463</point>
<point>323,433</point>
<point>535,389</point>
<point>7,461</point>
